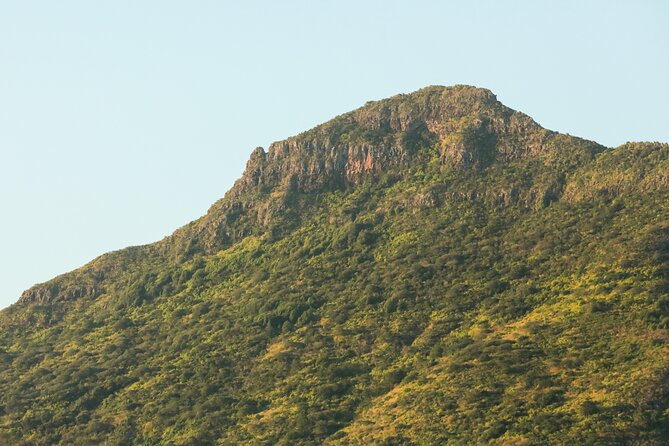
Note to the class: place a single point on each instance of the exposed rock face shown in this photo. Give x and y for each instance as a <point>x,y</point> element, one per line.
<point>52,293</point>
<point>468,124</point>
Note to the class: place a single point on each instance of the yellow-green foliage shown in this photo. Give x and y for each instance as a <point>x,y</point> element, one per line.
<point>511,304</point>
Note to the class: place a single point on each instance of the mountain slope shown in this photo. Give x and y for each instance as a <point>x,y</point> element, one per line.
<point>433,268</point>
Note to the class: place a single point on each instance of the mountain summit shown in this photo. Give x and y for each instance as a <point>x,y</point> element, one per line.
<point>444,128</point>
<point>431,268</point>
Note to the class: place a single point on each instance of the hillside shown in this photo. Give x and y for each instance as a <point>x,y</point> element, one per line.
<point>432,268</point>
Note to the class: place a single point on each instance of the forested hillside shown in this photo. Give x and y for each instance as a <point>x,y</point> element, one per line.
<point>430,269</point>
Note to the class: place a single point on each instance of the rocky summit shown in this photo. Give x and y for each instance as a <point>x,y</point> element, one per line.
<point>434,268</point>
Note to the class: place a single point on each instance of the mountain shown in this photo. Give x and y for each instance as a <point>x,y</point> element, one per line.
<point>433,268</point>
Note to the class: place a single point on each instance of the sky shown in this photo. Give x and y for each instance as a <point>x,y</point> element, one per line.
<point>121,121</point>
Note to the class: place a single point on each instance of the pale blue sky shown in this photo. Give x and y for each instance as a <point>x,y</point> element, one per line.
<point>123,120</point>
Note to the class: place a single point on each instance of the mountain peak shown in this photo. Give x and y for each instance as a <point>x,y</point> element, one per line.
<point>405,112</point>
<point>462,129</point>
<point>462,126</point>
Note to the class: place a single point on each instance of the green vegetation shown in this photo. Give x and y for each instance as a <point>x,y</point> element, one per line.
<point>519,299</point>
